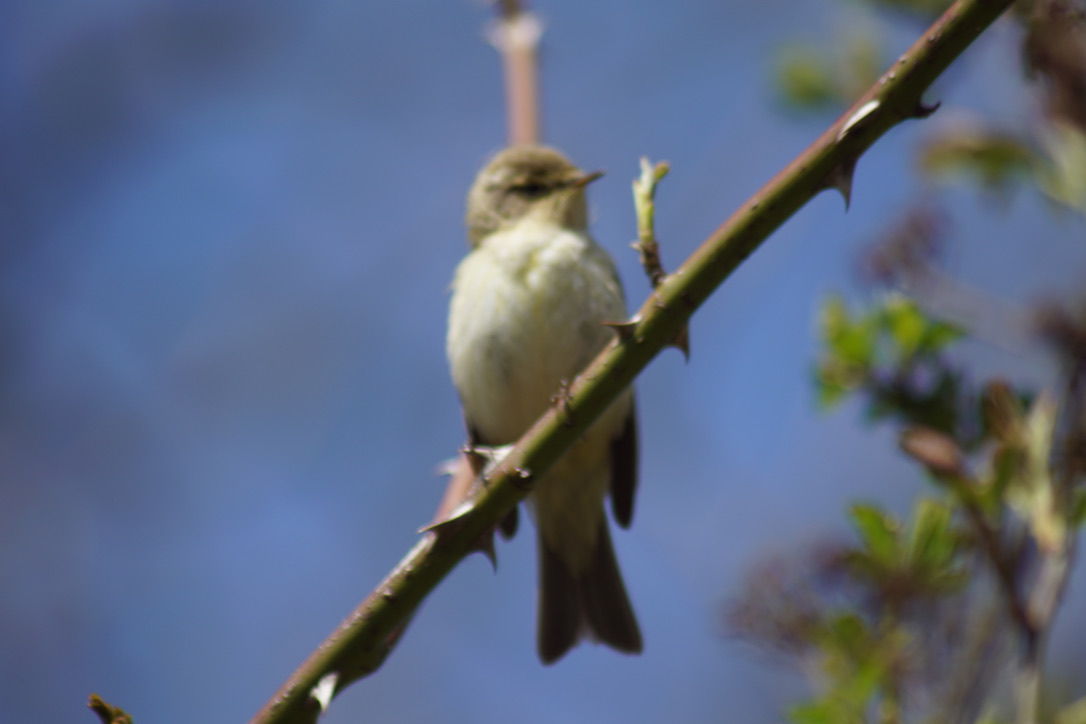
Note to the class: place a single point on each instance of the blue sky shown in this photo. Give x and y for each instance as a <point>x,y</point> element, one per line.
<point>227,235</point>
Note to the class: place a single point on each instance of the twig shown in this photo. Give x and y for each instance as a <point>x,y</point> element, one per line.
<point>107,714</point>
<point>942,457</point>
<point>364,636</point>
<point>1046,593</point>
<point>1051,581</point>
<point>516,35</point>
<point>1030,613</point>
<point>644,194</point>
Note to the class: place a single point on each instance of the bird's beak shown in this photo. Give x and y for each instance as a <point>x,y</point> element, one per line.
<point>581,181</point>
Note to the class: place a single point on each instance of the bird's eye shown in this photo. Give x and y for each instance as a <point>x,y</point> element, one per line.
<point>530,189</point>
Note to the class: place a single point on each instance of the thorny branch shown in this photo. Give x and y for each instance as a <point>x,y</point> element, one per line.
<point>365,637</point>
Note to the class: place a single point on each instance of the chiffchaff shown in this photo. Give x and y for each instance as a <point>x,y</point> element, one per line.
<point>527,312</point>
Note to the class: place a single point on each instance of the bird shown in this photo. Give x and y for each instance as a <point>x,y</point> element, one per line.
<point>527,314</point>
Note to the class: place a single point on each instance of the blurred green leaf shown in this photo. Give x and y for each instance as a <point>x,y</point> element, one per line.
<point>815,712</point>
<point>1031,493</point>
<point>830,391</point>
<point>812,77</point>
<point>899,564</point>
<point>1073,713</point>
<point>906,324</point>
<point>994,158</point>
<point>850,341</point>
<point>855,670</point>
<point>1078,508</point>
<point>833,317</point>
<point>933,403</point>
<point>933,543</point>
<point>803,77</point>
<point>878,532</point>
<point>847,634</point>
<point>1062,175</point>
<point>848,354</point>
<point>827,710</point>
<point>1006,461</point>
<point>892,353</point>
<point>859,66</point>
<point>938,335</point>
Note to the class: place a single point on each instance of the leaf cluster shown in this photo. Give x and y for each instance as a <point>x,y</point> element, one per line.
<point>894,354</point>
<point>904,621</point>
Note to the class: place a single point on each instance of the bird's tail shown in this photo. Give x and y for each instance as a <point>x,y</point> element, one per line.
<point>593,603</point>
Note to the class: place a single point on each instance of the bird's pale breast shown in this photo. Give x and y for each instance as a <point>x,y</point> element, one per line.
<point>527,313</point>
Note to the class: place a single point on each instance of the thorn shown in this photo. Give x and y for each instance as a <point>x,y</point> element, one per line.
<point>508,526</point>
<point>463,471</point>
<point>625,330</point>
<point>324,690</point>
<point>840,178</point>
<point>458,501</point>
<point>682,343</point>
<point>445,528</point>
<point>450,524</point>
<point>861,113</point>
<point>484,458</point>
<point>464,475</point>
<point>923,111</point>
<point>486,547</point>
<point>477,457</point>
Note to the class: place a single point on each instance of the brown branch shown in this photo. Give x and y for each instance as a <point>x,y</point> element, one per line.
<point>1051,580</point>
<point>1045,596</point>
<point>1031,613</point>
<point>516,35</point>
<point>942,457</point>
